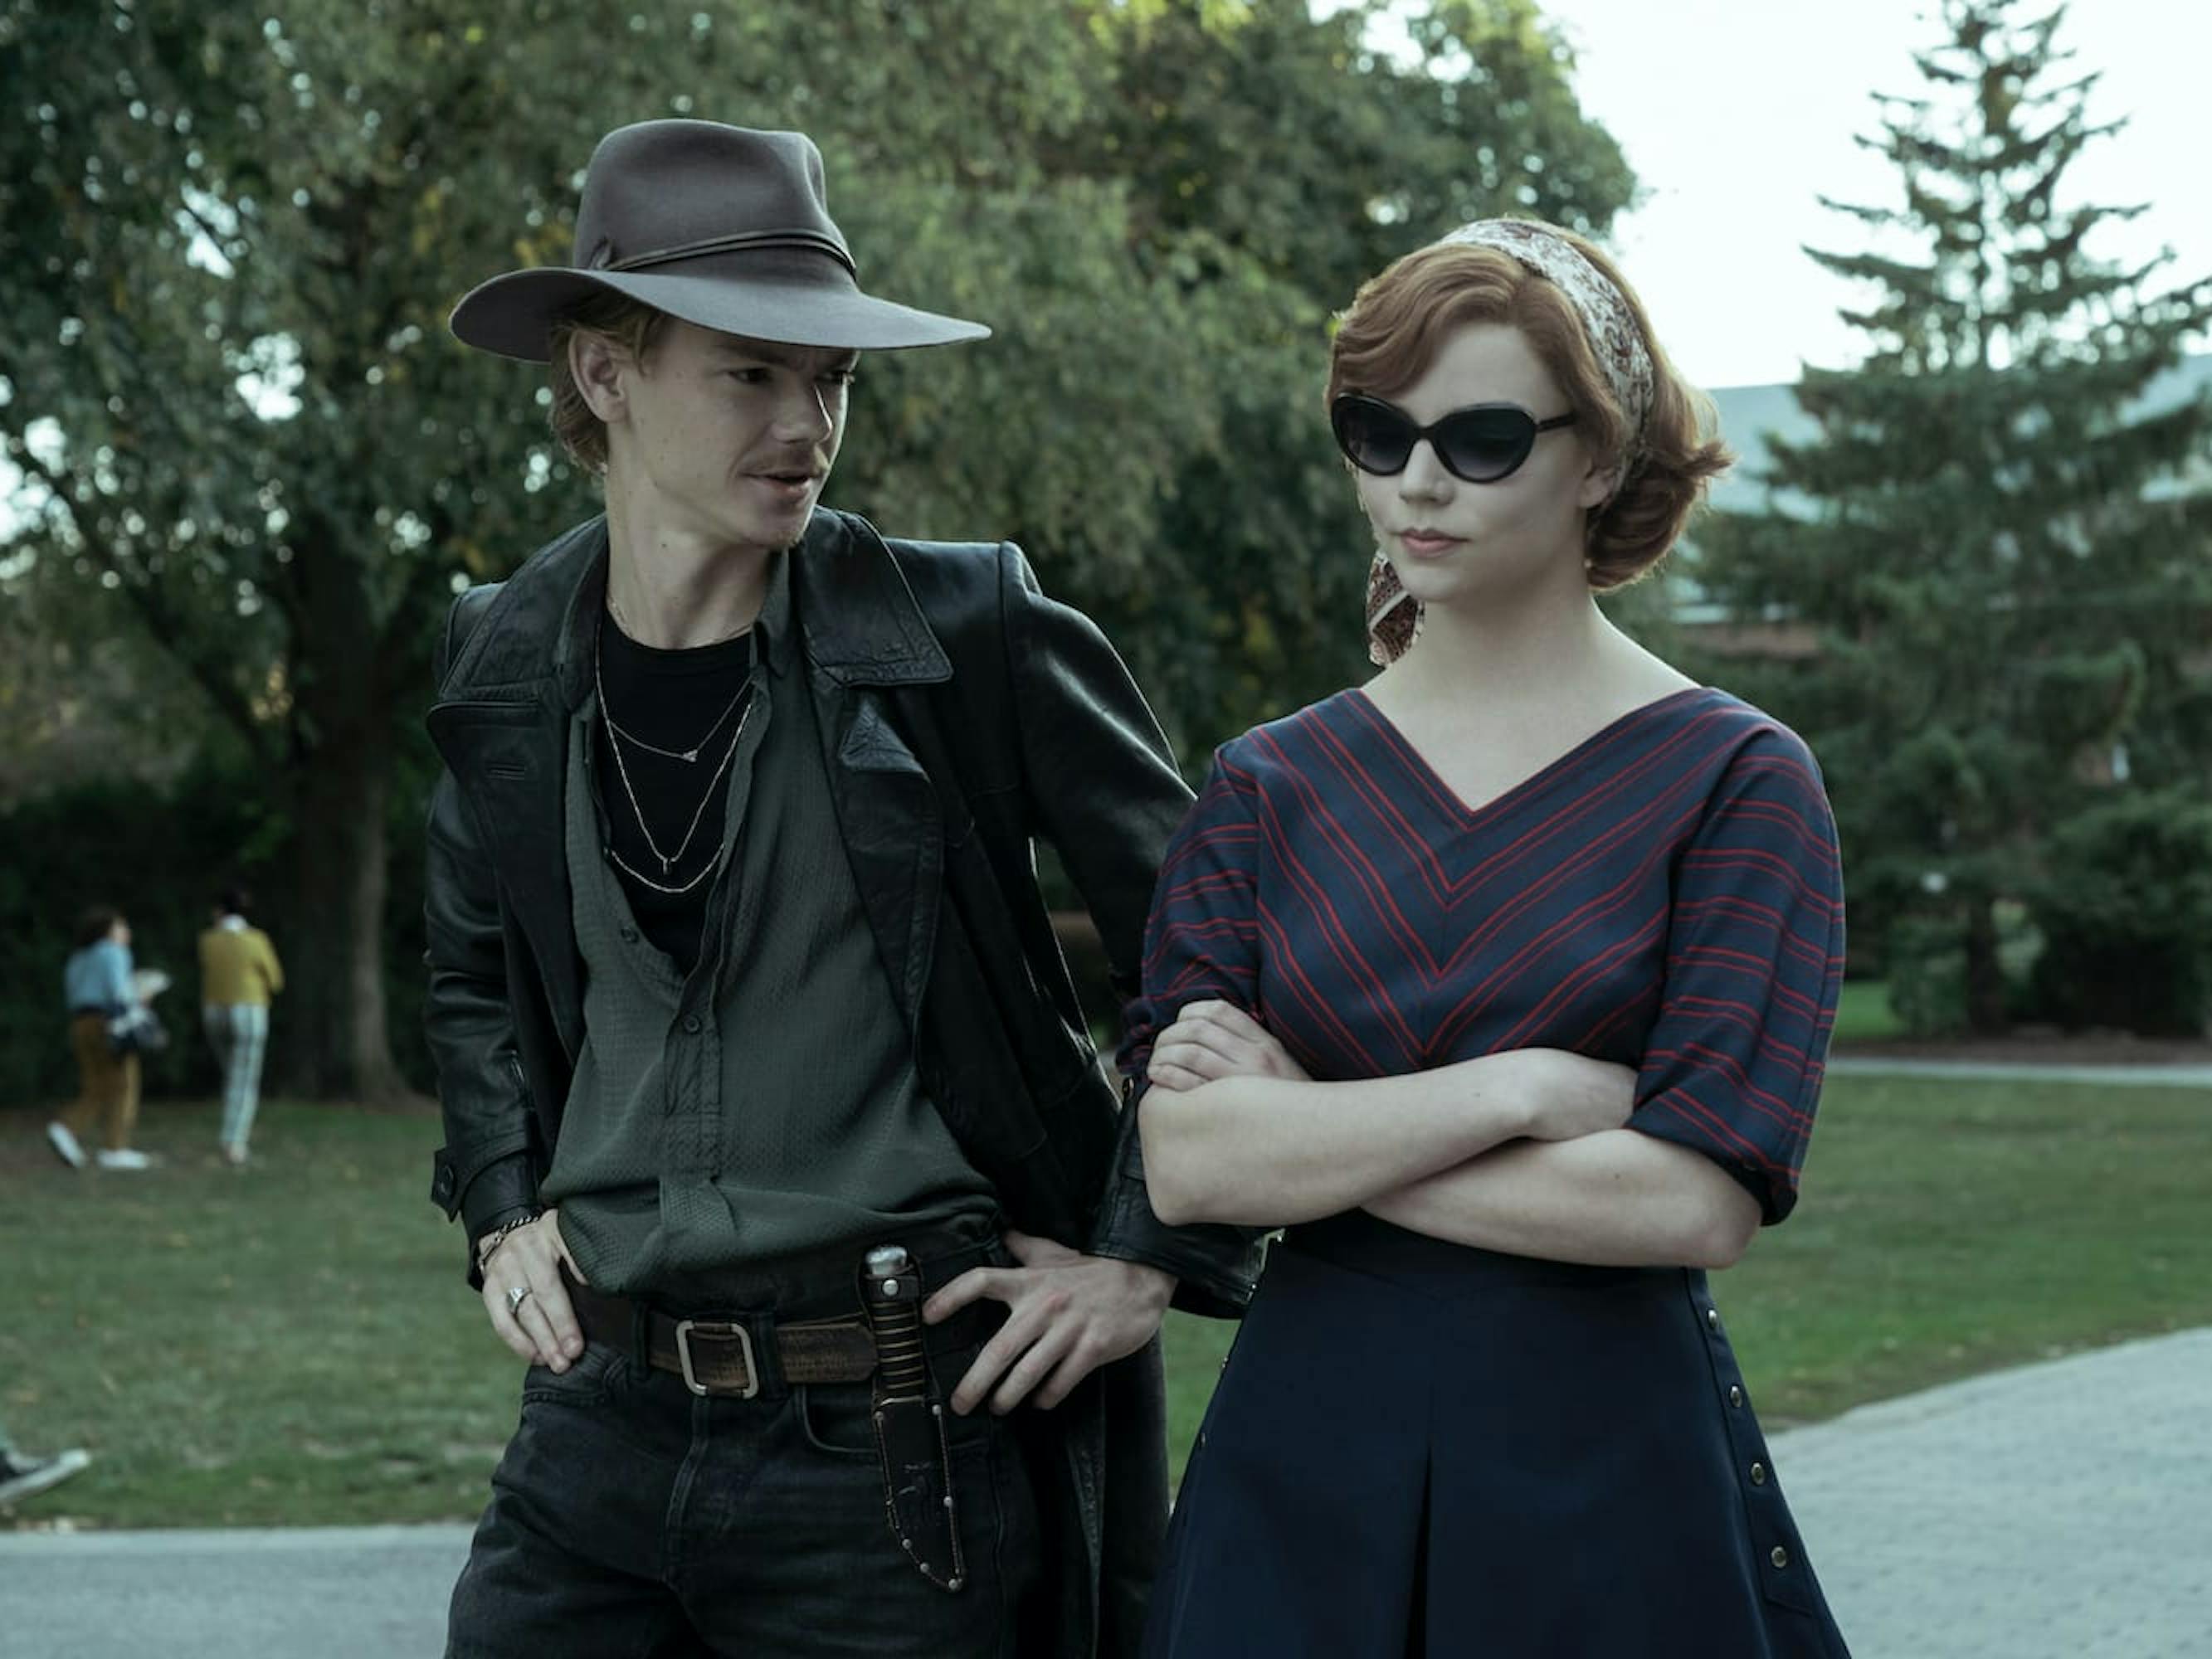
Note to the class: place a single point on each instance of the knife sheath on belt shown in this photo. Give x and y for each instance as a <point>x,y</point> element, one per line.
<point>909,1419</point>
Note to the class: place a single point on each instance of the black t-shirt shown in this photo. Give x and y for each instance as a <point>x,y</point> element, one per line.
<point>686,702</point>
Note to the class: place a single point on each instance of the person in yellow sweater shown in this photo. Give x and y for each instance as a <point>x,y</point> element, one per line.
<point>239,975</point>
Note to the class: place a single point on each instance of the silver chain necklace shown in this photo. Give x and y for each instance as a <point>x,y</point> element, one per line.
<point>668,860</point>
<point>691,756</point>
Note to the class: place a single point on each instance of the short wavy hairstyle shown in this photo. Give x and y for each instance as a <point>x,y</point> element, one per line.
<point>631,324</point>
<point>1399,321</point>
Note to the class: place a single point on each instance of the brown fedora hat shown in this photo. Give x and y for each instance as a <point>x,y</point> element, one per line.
<point>721,226</point>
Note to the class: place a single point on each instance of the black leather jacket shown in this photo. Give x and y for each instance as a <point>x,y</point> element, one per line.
<point>961,712</point>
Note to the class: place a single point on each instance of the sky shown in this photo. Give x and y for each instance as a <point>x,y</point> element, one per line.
<point>1737,115</point>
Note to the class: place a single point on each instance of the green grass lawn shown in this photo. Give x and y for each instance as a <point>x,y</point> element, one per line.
<point>293,1343</point>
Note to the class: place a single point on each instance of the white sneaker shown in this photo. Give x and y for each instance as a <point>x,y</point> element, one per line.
<point>65,1144</point>
<point>26,1477</point>
<point>128,1158</point>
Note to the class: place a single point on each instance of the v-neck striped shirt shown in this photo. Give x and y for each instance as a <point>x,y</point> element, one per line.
<point>1666,895</point>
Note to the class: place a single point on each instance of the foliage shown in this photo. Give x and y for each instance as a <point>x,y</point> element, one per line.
<point>1995,540</point>
<point>2125,911</point>
<point>233,232</point>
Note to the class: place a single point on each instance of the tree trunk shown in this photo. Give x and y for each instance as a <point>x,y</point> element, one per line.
<point>1985,988</point>
<point>336,1044</point>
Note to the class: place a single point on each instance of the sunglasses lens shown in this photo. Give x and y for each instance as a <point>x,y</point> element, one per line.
<point>1374,437</point>
<point>1484,445</point>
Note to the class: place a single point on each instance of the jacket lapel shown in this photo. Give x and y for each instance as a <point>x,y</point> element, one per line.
<point>865,633</point>
<point>502,725</point>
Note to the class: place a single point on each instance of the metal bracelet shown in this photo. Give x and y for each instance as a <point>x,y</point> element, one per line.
<point>491,1240</point>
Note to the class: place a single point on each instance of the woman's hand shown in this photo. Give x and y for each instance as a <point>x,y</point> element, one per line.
<point>1213,1039</point>
<point>1572,1095</point>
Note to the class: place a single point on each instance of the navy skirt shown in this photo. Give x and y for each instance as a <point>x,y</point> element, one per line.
<point>1418,1448</point>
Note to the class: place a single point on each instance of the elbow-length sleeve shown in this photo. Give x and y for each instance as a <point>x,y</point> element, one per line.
<point>1202,939</point>
<point>1754,960</point>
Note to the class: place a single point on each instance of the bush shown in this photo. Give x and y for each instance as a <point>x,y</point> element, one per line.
<point>155,856</point>
<point>1927,975</point>
<point>1926,957</point>
<point>2125,911</point>
<point>159,856</point>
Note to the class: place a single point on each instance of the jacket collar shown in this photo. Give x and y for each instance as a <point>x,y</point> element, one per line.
<point>857,616</point>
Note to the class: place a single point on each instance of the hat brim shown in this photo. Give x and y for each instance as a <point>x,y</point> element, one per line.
<point>513,315</point>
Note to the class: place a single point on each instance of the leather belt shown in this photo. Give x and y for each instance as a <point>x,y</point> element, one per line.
<point>716,1356</point>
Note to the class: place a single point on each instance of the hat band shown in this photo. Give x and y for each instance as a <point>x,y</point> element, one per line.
<point>736,242</point>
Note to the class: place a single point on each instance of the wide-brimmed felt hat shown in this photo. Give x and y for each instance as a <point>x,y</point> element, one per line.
<point>721,226</point>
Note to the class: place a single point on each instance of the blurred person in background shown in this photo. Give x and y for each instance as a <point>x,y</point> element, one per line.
<point>103,1002</point>
<point>238,975</point>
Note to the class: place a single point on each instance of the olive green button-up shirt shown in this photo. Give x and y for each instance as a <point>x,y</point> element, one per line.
<point>765,1105</point>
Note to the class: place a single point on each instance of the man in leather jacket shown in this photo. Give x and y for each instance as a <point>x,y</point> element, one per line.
<point>782,1152</point>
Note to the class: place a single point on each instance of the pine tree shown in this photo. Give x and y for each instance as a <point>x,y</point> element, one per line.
<point>1993,535</point>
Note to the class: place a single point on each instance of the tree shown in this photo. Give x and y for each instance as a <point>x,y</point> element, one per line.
<point>231,239</point>
<point>232,234</point>
<point>1274,162</point>
<point>1988,533</point>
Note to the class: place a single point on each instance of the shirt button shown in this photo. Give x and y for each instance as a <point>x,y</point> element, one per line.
<point>1712,1319</point>
<point>1735,1395</point>
<point>629,936</point>
<point>1759,1474</point>
<point>691,1025</point>
<point>1780,1558</point>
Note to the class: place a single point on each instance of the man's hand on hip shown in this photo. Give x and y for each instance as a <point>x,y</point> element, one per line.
<point>540,1326</point>
<point>1068,1314</point>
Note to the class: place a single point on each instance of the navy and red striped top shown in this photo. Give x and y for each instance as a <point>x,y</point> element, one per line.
<point>1666,895</point>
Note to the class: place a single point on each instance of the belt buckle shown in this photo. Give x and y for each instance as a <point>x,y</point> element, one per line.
<point>716,1328</point>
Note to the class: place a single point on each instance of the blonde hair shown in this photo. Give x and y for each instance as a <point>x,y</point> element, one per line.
<point>629,323</point>
<point>1399,320</point>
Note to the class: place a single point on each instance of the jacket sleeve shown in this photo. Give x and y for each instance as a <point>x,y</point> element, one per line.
<point>485,1172</point>
<point>116,959</point>
<point>1105,793</point>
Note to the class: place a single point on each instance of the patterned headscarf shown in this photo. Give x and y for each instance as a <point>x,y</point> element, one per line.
<point>1602,307</point>
<point>1393,618</point>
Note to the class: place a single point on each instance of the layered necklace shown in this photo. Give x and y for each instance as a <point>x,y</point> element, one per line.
<point>617,736</point>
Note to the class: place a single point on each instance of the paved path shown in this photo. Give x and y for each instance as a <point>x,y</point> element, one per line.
<point>2059,1511</point>
<point>317,1593</point>
<point>2160,1075</point>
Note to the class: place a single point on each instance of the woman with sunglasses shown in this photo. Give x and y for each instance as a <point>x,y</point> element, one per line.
<point>1503,982</point>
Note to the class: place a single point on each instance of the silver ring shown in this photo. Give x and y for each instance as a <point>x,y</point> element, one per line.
<point>516,1296</point>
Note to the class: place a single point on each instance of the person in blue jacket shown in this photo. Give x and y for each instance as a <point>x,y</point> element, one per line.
<point>97,990</point>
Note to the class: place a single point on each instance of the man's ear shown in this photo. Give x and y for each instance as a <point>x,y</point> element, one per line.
<point>596,364</point>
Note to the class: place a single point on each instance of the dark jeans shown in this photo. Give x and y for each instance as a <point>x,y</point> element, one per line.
<point>630,1519</point>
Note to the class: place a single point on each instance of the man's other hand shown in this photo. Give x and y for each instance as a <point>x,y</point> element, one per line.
<point>1068,1314</point>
